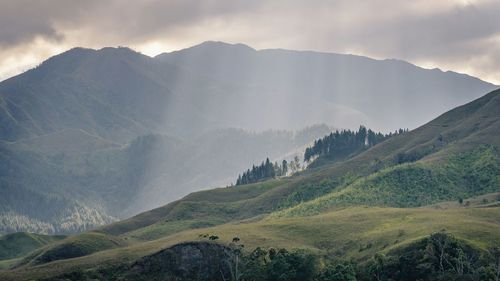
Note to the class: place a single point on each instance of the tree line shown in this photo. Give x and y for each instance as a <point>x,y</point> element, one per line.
<point>266,170</point>
<point>340,144</point>
<point>438,257</point>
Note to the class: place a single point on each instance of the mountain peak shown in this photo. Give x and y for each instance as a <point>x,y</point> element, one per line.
<point>213,47</point>
<point>221,44</point>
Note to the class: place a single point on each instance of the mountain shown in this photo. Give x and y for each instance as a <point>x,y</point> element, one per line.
<point>401,198</point>
<point>118,94</point>
<point>284,88</point>
<point>70,181</point>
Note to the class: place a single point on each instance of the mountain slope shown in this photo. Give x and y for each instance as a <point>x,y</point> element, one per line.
<point>71,181</point>
<point>118,94</point>
<point>342,90</point>
<point>470,132</point>
<point>291,212</point>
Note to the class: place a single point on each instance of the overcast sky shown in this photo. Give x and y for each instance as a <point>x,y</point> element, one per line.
<point>459,35</point>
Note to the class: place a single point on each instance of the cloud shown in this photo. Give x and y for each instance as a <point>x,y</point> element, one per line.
<point>452,34</point>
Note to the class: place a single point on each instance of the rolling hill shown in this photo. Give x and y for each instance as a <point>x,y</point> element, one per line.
<point>442,176</point>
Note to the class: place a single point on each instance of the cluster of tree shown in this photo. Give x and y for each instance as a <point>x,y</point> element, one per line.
<point>340,144</point>
<point>268,170</point>
<point>283,265</point>
<point>436,258</point>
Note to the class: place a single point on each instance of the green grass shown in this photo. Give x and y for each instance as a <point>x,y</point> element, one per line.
<point>71,247</point>
<point>354,232</point>
<point>6,264</point>
<point>19,244</point>
<point>416,184</point>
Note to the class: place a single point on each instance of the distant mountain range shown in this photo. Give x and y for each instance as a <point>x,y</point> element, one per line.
<point>118,94</point>
<point>90,136</point>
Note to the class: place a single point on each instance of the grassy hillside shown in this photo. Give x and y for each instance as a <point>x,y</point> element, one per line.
<point>381,200</point>
<point>415,184</point>
<point>357,232</point>
<point>19,244</point>
<point>72,247</point>
<point>428,163</point>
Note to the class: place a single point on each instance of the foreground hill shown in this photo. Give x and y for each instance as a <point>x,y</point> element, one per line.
<point>387,199</point>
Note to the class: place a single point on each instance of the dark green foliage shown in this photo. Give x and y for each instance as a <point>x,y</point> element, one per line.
<point>266,170</point>
<point>314,190</point>
<point>280,265</point>
<point>341,144</point>
<point>340,271</point>
<point>417,184</point>
<point>438,257</point>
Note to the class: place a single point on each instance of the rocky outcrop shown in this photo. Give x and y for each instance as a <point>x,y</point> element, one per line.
<point>185,261</point>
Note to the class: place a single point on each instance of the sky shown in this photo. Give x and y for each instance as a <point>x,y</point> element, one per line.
<point>458,35</point>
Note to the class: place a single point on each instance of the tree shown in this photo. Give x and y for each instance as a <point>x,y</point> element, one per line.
<point>494,266</point>
<point>291,266</point>
<point>234,261</point>
<point>341,271</point>
<point>341,144</point>
<point>377,267</point>
<point>266,170</point>
<point>284,167</point>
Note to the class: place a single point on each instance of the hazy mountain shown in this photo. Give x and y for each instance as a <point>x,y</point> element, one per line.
<point>287,89</point>
<point>119,94</point>
<point>69,180</point>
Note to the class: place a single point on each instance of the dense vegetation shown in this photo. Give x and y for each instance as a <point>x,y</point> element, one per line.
<point>408,185</point>
<point>340,144</point>
<point>266,170</point>
<point>337,145</point>
<point>437,257</point>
